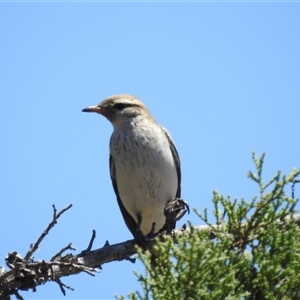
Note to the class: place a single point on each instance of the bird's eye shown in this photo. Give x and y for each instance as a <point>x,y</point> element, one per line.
<point>119,106</point>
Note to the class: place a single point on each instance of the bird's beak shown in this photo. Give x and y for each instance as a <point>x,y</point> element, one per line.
<point>94,108</point>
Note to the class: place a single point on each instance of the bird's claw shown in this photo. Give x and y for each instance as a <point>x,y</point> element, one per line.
<point>176,209</point>
<point>152,234</point>
<point>141,239</point>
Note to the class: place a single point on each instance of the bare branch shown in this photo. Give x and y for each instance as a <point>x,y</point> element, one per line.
<point>89,248</point>
<point>25,274</point>
<point>62,286</point>
<point>18,296</point>
<point>35,246</point>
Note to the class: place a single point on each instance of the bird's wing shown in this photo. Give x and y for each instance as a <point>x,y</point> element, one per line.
<point>176,160</point>
<point>130,222</point>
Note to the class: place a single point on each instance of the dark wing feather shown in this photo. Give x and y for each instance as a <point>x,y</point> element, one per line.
<point>130,222</point>
<point>176,160</point>
<point>177,163</point>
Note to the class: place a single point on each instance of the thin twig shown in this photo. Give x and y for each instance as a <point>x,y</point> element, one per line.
<point>18,296</point>
<point>63,286</point>
<point>89,248</point>
<point>293,187</point>
<point>35,246</point>
<point>58,254</point>
<point>106,244</point>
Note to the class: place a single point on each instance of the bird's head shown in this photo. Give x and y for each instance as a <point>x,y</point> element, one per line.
<point>119,109</point>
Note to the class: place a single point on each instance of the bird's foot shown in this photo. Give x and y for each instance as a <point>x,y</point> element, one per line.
<point>142,240</point>
<point>174,211</point>
<point>152,234</point>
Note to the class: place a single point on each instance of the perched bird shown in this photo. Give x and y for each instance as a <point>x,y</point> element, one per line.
<point>144,163</point>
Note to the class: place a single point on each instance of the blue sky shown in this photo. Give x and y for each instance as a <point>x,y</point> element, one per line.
<point>224,78</point>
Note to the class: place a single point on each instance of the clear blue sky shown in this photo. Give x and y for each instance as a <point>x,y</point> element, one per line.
<point>224,78</point>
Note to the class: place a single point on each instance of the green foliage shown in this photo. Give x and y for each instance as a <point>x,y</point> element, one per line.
<point>253,255</point>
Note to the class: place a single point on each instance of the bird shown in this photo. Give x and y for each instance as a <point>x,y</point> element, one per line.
<point>144,164</point>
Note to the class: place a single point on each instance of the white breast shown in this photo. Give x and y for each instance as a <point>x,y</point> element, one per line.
<point>145,173</point>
